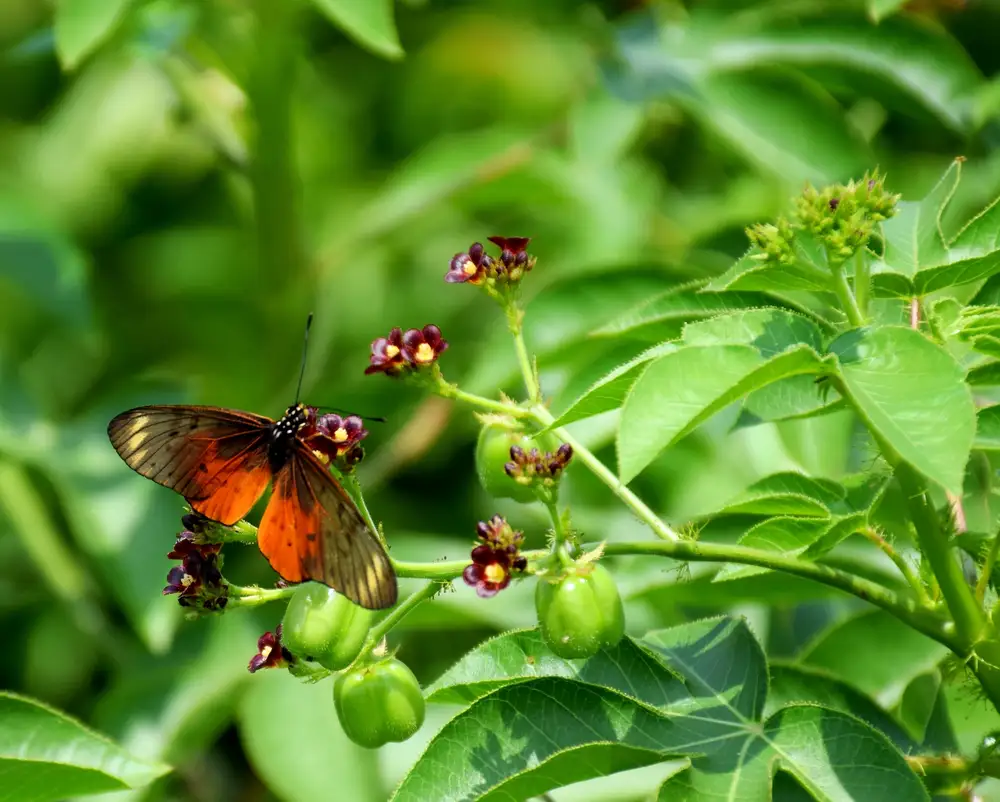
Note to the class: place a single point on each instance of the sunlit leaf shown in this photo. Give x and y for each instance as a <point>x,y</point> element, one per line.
<point>46,755</point>
<point>682,389</point>
<point>913,395</point>
<point>853,651</point>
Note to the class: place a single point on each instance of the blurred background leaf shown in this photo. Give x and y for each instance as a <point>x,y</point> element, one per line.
<point>182,181</point>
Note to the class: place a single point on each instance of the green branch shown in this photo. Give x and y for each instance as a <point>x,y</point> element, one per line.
<point>848,303</point>
<point>399,612</point>
<point>905,608</point>
<point>583,454</point>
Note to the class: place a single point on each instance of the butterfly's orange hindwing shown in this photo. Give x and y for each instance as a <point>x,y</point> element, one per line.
<point>312,529</point>
<point>215,458</point>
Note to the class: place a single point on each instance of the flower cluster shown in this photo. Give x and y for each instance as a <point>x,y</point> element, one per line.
<point>475,266</point>
<point>495,558</point>
<point>270,652</point>
<point>197,581</point>
<point>528,467</point>
<point>841,218</point>
<point>334,438</point>
<point>399,352</point>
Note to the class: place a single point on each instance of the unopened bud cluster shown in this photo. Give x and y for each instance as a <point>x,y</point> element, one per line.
<point>534,466</point>
<point>842,218</point>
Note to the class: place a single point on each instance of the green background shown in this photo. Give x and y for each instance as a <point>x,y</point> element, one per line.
<point>182,182</point>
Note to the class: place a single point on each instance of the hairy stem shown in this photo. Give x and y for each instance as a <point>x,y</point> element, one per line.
<point>399,612</point>
<point>843,290</point>
<point>446,390</point>
<point>987,571</point>
<point>515,318</point>
<point>904,567</point>
<point>862,281</point>
<point>905,608</point>
<point>580,452</point>
<point>253,596</point>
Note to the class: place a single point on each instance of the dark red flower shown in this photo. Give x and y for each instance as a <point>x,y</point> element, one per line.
<point>423,346</point>
<point>471,267</point>
<point>495,558</point>
<point>270,652</point>
<point>387,354</point>
<point>333,438</point>
<point>197,581</point>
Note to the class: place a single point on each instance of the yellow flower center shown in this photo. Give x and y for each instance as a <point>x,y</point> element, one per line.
<point>469,268</point>
<point>495,573</point>
<point>424,353</point>
<point>265,652</point>
<point>340,435</point>
<point>391,351</point>
<point>321,457</point>
<point>186,580</point>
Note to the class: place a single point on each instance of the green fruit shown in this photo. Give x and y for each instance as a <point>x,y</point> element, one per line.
<point>493,453</point>
<point>322,625</point>
<point>580,612</point>
<point>379,703</point>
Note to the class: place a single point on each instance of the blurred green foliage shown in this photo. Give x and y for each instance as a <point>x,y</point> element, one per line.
<point>181,182</point>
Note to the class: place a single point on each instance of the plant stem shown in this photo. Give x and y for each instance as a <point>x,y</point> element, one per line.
<point>904,608</point>
<point>253,596</point>
<point>448,569</point>
<point>904,567</point>
<point>843,290</point>
<point>862,281</point>
<point>351,481</point>
<point>984,577</point>
<point>601,471</point>
<point>969,619</point>
<point>447,390</point>
<point>399,612</point>
<point>514,322</point>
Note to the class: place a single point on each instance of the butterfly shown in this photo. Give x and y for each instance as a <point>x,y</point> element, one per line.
<point>222,461</point>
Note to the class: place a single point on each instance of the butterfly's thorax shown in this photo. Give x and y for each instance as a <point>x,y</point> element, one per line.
<point>283,432</point>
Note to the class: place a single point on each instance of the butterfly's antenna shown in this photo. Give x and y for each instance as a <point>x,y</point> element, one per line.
<point>345,412</point>
<point>305,348</point>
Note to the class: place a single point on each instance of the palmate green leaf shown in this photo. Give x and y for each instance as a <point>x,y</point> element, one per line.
<point>82,25</point>
<point>853,650</point>
<point>787,493</point>
<point>988,429</point>
<point>725,671</point>
<point>790,536</point>
<point>609,392</point>
<point>792,683</point>
<point>522,655</point>
<point>679,305</point>
<point>751,275</point>
<point>919,259</point>
<point>913,236</point>
<point>46,755</point>
<point>913,396</point>
<point>369,23</point>
<point>986,374</point>
<point>682,389</point>
<point>770,331</point>
<point>564,721</point>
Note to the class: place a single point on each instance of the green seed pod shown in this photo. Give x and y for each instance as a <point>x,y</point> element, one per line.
<point>322,625</point>
<point>379,703</point>
<point>580,612</point>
